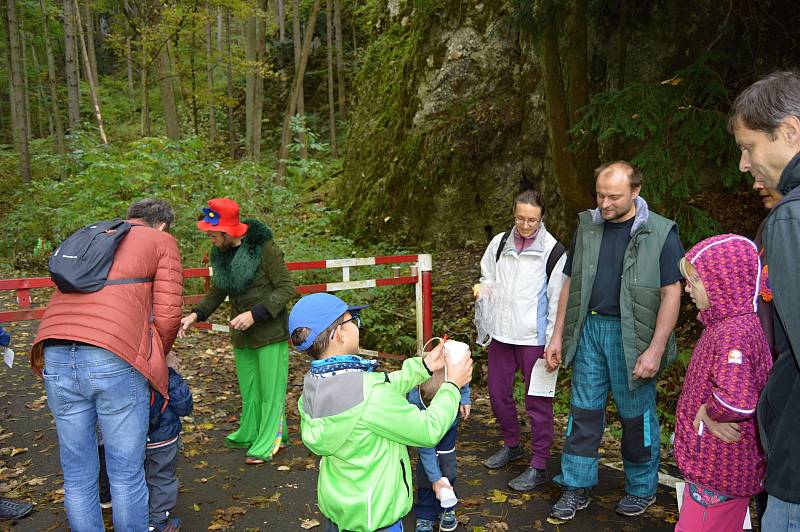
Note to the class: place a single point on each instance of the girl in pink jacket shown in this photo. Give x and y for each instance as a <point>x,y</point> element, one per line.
<point>716,436</point>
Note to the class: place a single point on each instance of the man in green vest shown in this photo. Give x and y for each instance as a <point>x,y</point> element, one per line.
<point>617,309</point>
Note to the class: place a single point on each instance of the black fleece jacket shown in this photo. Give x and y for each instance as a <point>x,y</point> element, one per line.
<point>779,407</point>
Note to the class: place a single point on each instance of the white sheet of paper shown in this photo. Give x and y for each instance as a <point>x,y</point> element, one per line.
<point>543,383</point>
<point>680,486</point>
<point>8,356</point>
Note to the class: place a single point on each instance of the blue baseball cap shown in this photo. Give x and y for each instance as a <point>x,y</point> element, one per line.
<point>317,312</point>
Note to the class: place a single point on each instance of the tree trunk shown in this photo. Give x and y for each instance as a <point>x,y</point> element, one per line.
<point>25,85</point>
<point>298,81</point>
<point>340,58</point>
<point>331,100</point>
<point>250,55</point>
<point>212,114</point>
<point>280,12</point>
<point>52,83</point>
<point>88,23</point>
<point>129,63</point>
<point>18,90</point>
<point>90,76</point>
<point>171,119</point>
<point>578,92</point>
<point>71,67</point>
<point>254,50</point>
<point>44,125</point>
<point>572,188</point>
<point>297,53</point>
<point>193,70</point>
<point>229,57</point>
<point>146,126</point>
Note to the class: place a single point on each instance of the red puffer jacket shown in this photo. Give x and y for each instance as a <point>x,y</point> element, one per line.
<point>118,317</point>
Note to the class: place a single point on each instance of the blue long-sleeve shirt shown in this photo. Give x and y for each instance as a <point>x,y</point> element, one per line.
<point>427,455</point>
<point>5,338</point>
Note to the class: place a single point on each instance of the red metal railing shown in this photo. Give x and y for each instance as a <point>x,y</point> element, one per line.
<point>420,266</point>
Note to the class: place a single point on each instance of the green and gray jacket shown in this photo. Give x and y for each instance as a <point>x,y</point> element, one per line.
<point>255,278</point>
<point>640,293</point>
<point>360,424</point>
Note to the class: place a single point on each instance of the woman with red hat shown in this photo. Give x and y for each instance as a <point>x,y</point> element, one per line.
<point>249,269</point>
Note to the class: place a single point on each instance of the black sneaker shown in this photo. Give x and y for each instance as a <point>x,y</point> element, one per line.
<point>11,509</point>
<point>529,479</point>
<point>632,505</point>
<point>570,502</point>
<point>503,456</point>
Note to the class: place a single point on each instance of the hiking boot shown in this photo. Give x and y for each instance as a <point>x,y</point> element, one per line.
<point>424,525</point>
<point>570,502</point>
<point>529,479</point>
<point>632,505</point>
<point>448,521</point>
<point>11,509</point>
<point>503,456</point>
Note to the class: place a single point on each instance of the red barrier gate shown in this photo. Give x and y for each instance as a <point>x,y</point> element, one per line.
<point>420,276</point>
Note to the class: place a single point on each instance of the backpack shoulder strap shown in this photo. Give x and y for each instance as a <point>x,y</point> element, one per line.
<point>502,245</point>
<point>555,254</point>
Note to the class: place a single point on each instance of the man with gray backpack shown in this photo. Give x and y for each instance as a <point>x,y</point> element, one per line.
<point>104,335</point>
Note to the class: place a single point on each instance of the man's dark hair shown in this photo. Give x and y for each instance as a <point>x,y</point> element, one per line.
<point>152,212</point>
<point>764,104</point>
<point>531,197</point>
<point>634,175</point>
<point>322,340</point>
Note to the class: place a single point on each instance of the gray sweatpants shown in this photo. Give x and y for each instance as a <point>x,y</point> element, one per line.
<point>162,480</point>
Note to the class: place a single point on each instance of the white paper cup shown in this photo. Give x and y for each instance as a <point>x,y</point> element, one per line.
<point>455,350</point>
<point>448,498</point>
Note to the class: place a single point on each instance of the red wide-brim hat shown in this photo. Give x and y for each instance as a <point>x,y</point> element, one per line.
<point>222,214</point>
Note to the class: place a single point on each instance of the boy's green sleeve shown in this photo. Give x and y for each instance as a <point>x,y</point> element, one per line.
<point>390,415</point>
<point>412,373</point>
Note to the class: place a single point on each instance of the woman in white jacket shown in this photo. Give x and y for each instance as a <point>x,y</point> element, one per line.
<point>526,283</point>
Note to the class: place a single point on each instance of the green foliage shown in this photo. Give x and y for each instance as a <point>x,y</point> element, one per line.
<point>676,128</point>
<point>304,168</point>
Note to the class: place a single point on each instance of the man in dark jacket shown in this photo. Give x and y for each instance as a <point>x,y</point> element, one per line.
<point>249,269</point>
<point>765,120</point>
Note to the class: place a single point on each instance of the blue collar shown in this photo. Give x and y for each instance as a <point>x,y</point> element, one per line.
<point>342,363</point>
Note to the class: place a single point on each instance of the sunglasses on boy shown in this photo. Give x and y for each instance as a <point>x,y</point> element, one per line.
<point>356,319</point>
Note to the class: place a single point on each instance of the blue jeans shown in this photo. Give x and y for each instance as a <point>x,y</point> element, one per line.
<point>87,386</point>
<point>780,516</point>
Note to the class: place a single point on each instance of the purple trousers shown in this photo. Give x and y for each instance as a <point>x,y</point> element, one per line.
<point>504,361</point>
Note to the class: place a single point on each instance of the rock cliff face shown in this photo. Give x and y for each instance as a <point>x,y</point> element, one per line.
<point>448,122</point>
<point>449,126</point>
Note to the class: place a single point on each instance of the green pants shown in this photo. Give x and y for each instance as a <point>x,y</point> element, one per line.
<point>262,373</point>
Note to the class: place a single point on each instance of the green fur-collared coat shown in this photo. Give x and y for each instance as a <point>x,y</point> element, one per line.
<point>255,278</point>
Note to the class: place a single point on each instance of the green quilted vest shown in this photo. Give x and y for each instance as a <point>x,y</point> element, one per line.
<point>640,293</point>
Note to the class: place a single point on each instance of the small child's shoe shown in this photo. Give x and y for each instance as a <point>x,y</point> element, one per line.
<point>448,521</point>
<point>424,525</point>
<point>172,524</point>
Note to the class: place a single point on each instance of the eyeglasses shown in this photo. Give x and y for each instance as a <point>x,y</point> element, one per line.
<point>526,221</point>
<point>356,319</point>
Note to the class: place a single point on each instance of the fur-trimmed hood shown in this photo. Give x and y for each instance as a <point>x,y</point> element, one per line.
<point>234,269</point>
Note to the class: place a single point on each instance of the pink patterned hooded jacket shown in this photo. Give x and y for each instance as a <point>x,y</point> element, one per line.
<point>728,369</point>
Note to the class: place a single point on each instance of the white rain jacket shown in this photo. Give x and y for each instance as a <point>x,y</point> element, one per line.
<point>524,302</point>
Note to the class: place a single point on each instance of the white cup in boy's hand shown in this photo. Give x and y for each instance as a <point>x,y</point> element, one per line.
<point>459,371</point>
<point>455,350</point>
<point>447,497</point>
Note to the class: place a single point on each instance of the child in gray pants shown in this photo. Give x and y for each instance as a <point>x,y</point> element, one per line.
<point>161,458</point>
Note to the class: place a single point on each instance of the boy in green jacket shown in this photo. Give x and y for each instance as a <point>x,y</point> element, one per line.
<point>359,421</point>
